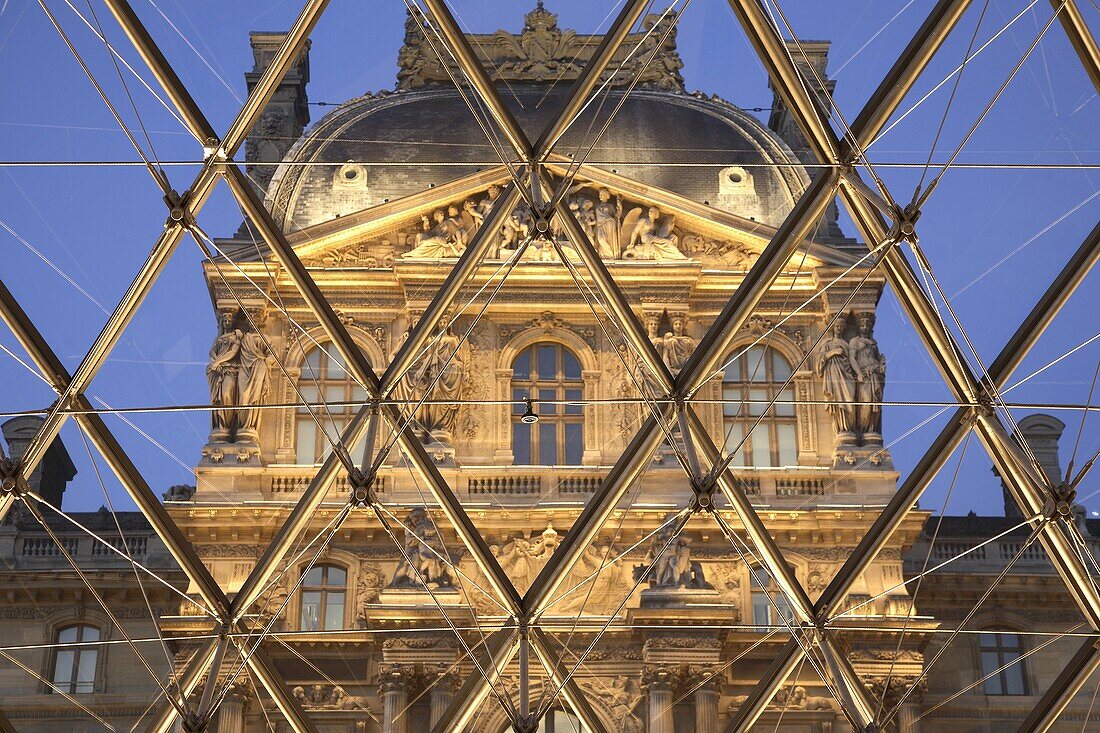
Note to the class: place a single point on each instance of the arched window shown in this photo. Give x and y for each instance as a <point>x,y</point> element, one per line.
<point>549,374</point>
<point>769,605</point>
<point>751,381</point>
<point>324,379</point>
<point>74,667</point>
<point>324,590</point>
<point>998,650</point>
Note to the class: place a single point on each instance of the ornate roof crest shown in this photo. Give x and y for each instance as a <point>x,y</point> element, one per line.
<point>544,53</point>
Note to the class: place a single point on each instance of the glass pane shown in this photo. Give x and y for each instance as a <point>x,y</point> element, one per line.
<point>547,367</point>
<point>313,360</point>
<point>788,446</point>
<point>521,444</point>
<point>733,371</point>
<point>85,669</point>
<point>337,576</point>
<point>758,371</point>
<point>548,443</point>
<point>574,395</point>
<point>758,401</point>
<point>761,446</point>
<point>334,611</point>
<point>785,404</point>
<point>547,399</point>
<point>521,367</point>
<point>572,366</point>
<point>305,447</point>
<point>335,363</point>
<point>68,635</point>
<point>760,578</point>
<point>989,641</point>
<point>313,577</point>
<point>334,393</point>
<point>308,390</point>
<point>311,611</point>
<point>781,369</point>
<point>733,439</point>
<point>91,633</point>
<point>731,401</point>
<point>63,668</point>
<point>761,610</point>
<point>518,395</point>
<point>990,662</point>
<point>574,444</point>
<point>1013,677</point>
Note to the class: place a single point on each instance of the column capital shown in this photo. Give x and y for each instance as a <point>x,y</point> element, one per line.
<point>660,677</point>
<point>394,678</point>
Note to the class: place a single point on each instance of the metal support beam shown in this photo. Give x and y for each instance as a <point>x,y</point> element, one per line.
<point>555,673</point>
<point>460,274</point>
<point>151,54</point>
<point>904,73</point>
<point>459,45</point>
<point>188,680</point>
<point>1065,686</point>
<point>181,213</point>
<point>1081,38</point>
<point>54,372</point>
<point>589,77</point>
<point>263,671</point>
<point>361,369</point>
<point>782,667</point>
<point>500,647</point>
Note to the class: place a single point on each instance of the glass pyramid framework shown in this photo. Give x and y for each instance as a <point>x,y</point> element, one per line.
<point>884,225</point>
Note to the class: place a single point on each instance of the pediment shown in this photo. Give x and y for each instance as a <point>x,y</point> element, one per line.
<point>630,223</point>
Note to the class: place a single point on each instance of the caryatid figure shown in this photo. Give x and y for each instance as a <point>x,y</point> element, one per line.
<point>238,375</point>
<point>839,382</point>
<point>870,368</point>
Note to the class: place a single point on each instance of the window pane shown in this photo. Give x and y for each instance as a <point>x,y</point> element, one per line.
<point>518,396</point>
<point>574,395</point>
<point>788,446</point>
<point>547,362</point>
<point>990,662</point>
<point>755,361</point>
<point>758,401</point>
<point>521,367</point>
<point>334,393</point>
<point>85,669</point>
<point>334,610</point>
<point>548,443</point>
<point>306,441</point>
<point>314,576</point>
<point>781,369</point>
<point>337,576</point>
<point>68,635</point>
<point>733,439</point>
<point>1013,676</point>
<point>785,404</point>
<point>731,401</point>
<point>574,444</point>
<point>572,367</point>
<point>313,359</point>
<point>761,446</point>
<point>63,668</point>
<point>311,610</point>
<point>521,444</point>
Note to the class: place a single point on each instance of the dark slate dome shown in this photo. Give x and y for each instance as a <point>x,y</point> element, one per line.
<point>384,147</point>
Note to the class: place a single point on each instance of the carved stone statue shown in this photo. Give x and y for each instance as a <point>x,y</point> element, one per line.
<point>440,237</point>
<point>424,562</point>
<point>839,382</point>
<point>649,236</point>
<point>438,377</point>
<point>870,369</point>
<point>368,585</point>
<point>673,569</point>
<point>238,375</point>
<point>180,492</point>
<point>676,346</point>
<point>607,214</point>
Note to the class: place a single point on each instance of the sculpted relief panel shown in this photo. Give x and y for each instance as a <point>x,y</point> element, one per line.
<point>619,228</point>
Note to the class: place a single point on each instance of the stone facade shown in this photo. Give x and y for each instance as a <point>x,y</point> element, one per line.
<point>380,241</point>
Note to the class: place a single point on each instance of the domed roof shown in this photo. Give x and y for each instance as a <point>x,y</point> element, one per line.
<point>380,148</point>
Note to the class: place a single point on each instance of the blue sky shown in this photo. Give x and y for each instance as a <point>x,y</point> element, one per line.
<point>994,236</point>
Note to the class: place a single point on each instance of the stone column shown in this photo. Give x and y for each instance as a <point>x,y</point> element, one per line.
<point>231,711</point>
<point>706,709</point>
<point>907,718</point>
<point>659,682</point>
<point>393,685</point>
<point>443,692</point>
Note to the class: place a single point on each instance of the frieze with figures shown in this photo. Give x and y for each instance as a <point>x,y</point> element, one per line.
<point>621,229</point>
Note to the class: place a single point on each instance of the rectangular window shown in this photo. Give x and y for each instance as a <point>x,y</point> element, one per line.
<point>548,443</point>
<point>574,444</point>
<point>788,444</point>
<point>521,443</point>
<point>311,610</point>
<point>74,668</point>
